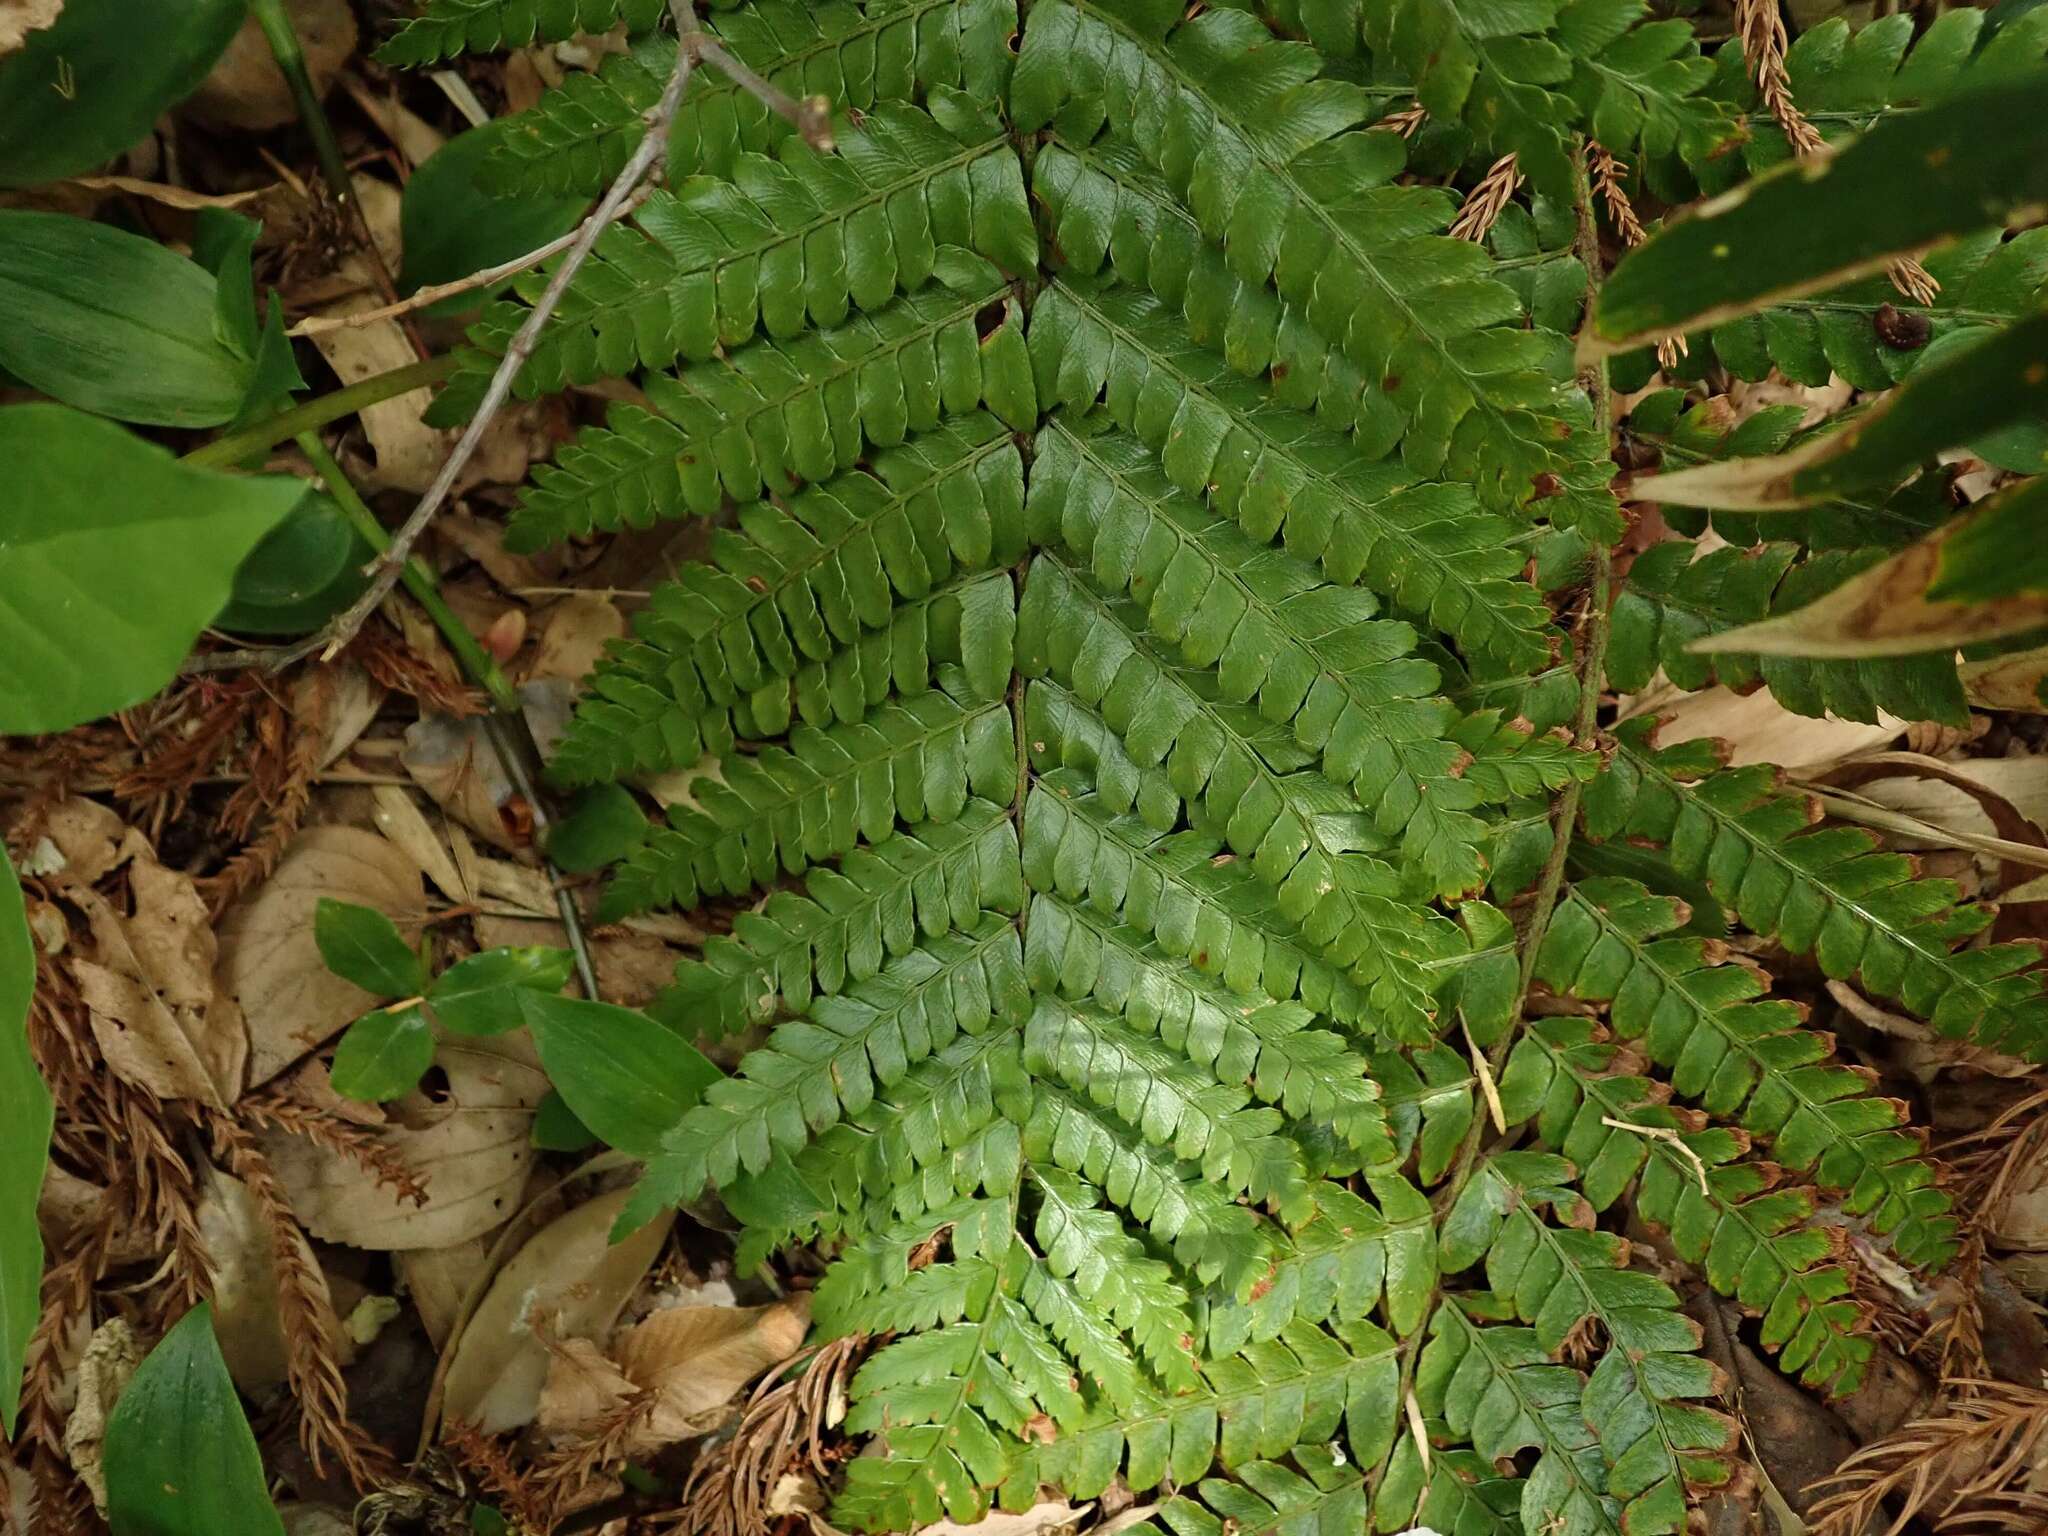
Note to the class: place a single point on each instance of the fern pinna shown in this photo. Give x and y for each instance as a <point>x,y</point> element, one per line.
<point>1133,656</point>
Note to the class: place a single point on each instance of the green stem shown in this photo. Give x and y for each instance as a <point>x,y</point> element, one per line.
<point>291,60</point>
<point>419,581</point>
<point>268,433</point>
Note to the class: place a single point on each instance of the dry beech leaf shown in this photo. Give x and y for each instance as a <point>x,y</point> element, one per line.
<point>91,841</point>
<point>109,1363</point>
<point>1758,729</point>
<point>270,963</point>
<point>353,700</point>
<point>157,1014</point>
<point>244,1270</point>
<point>247,90</point>
<point>584,1385</point>
<point>18,18</point>
<point>573,635</point>
<point>1039,1520</point>
<point>400,819</point>
<point>571,1280</point>
<point>454,762</point>
<point>472,1150</point>
<point>437,1280</point>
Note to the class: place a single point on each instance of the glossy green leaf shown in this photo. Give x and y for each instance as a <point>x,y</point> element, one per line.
<point>556,1128</point>
<point>362,945</point>
<point>24,1147</point>
<point>1916,179</point>
<point>480,995</point>
<point>179,1455</point>
<point>114,323</point>
<point>113,556</point>
<point>306,570</point>
<point>451,227</point>
<point>384,1054</point>
<point>601,826</point>
<point>625,1076</point>
<point>83,90</point>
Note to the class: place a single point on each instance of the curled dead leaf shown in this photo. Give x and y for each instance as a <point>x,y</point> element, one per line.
<point>270,962</point>
<point>18,18</point>
<point>160,1020</point>
<point>570,1280</point>
<point>472,1149</point>
<point>109,1364</point>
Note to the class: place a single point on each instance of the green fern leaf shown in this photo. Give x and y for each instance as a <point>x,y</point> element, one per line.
<point>781,247</point>
<point>577,139</point>
<point>445,28</point>
<point>1641,1398</point>
<point>1750,1062</point>
<point>1294,194</point>
<point>1825,891</point>
<point>778,413</point>
<point>1750,1236</point>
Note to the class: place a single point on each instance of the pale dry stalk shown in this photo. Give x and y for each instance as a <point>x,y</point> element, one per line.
<point>312,1358</point>
<point>812,119</point>
<point>1762,32</point>
<point>1487,200</point>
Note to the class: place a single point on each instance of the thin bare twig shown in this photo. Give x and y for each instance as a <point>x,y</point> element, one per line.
<point>692,44</point>
<point>1671,1138</point>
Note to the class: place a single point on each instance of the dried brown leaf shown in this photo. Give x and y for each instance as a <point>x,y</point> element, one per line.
<point>270,963</point>
<point>569,1279</point>
<point>18,18</point>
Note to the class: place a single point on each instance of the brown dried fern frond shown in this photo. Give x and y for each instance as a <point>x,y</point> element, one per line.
<point>282,761</point>
<point>561,1475</point>
<point>360,1144</point>
<point>728,1491</point>
<point>1484,204</point>
<point>1965,1468</point>
<point>485,1458</point>
<point>312,1356</point>
<point>1607,175</point>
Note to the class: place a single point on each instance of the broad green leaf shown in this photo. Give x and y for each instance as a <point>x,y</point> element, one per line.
<point>24,1145</point>
<point>362,945</point>
<point>114,323</point>
<point>627,1077</point>
<point>1983,576</point>
<point>2002,378</point>
<point>113,556</point>
<point>307,569</point>
<point>1917,179</point>
<point>602,825</point>
<point>480,995</point>
<point>452,228</point>
<point>384,1054</point>
<point>556,1128</point>
<point>80,92</point>
<point>179,1456</point>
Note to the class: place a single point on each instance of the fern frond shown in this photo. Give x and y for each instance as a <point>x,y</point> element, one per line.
<point>778,413</point>
<point>1746,1061</point>
<point>783,246</point>
<point>798,591</point>
<point>1268,159</point>
<point>1354,1254</point>
<point>1641,1399</point>
<point>1169,1101</point>
<point>1305,1386</point>
<point>1498,1385</point>
<point>1828,891</point>
<point>1310,1074</point>
<point>1752,1238</point>
<point>577,139</point>
<point>783,809</point>
<point>445,28</point>
<point>879,903</point>
<point>1268,1499</point>
<point>1429,1093</point>
<point>1270,469</point>
<point>1174,890</point>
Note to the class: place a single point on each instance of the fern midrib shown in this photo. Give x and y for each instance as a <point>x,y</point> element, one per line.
<point>1937,956</point>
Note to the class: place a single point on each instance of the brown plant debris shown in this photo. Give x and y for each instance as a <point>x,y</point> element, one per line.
<point>360,1144</point>
<point>1969,1467</point>
<point>1487,200</point>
